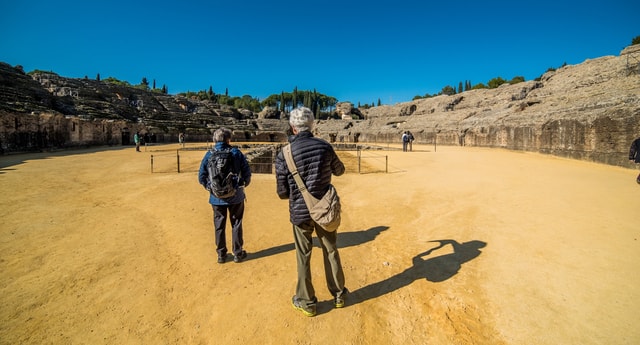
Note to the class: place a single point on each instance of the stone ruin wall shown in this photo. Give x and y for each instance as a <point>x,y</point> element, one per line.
<point>604,140</point>
<point>22,132</point>
<point>36,132</point>
<point>589,111</point>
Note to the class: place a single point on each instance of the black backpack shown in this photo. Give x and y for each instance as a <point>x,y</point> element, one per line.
<point>222,179</point>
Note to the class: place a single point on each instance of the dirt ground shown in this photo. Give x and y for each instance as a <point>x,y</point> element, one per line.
<point>456,246</point>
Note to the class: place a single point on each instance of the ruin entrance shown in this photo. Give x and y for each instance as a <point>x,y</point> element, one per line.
<point>125,137</point>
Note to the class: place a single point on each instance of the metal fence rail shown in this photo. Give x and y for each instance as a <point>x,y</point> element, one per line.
<point>262,158</point>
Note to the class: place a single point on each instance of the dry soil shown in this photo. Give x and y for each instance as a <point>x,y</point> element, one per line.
<point>454,246</point>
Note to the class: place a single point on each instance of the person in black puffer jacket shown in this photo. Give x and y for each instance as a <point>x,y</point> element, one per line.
<point>316,161</point>
<point>634,154</point>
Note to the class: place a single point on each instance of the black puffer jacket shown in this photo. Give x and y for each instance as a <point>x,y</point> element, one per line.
<point>316,162</point>
<point>634,151</point>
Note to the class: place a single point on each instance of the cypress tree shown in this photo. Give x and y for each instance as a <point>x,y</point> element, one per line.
<point>315,106</point>
<point>282,102</point>
<point>295,98</point>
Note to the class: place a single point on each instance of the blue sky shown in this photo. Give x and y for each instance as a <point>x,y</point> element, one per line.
<point>357,51</point>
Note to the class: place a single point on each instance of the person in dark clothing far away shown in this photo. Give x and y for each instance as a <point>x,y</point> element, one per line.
<point>634,154</point>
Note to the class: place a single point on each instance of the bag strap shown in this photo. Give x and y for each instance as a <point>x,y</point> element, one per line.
<point>309,199</point>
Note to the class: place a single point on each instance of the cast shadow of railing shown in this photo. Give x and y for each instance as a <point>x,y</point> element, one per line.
<point>345,239</point>
<point>435,269</point>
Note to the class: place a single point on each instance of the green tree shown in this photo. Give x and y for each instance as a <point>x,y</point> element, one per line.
<point>315,103</point>
<point>115,81</point>
<point>294,102</point>
<point>271,101</point>
<point>448,90</point>
<point>283,103</point>
<point>306,100</point>
<point>144,83</point>
<point>495,82</point>
<point>246,102</point>
<point>635,40</point>
<point>516,79</point>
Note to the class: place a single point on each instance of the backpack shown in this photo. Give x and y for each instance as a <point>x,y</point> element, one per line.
<point>222,179</point>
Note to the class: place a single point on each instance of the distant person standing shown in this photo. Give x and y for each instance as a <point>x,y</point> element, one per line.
<point>136,139</point>
<point>634,154</point>
<point>181,139</point>
<point>411,139</point>
<point>405,141</point>
<point>316,162</point>
<point>225,172</point>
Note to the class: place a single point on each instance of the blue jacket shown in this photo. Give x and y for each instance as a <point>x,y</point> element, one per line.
<point>316,161</point>
<point>240,167</point>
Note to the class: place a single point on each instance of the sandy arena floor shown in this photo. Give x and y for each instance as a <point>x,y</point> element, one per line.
<point>458,246</point>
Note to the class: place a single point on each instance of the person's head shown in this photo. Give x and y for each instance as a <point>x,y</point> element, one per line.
<point>301,119</point>
<point>222,135</point>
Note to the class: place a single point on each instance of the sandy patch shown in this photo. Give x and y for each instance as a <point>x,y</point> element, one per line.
<point>458,246</point>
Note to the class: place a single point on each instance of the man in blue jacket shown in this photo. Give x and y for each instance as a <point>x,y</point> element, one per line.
<point>233,205</point>
<point>315,161</point>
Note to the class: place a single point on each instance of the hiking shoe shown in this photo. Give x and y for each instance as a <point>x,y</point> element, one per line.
<point>307,311</point>
<point>338,301</point>
<point>238,258</point>
<point>222,259</point>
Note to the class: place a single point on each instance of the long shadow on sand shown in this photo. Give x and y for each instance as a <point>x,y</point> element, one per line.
<point>345,239</point>
<point>435,269</point>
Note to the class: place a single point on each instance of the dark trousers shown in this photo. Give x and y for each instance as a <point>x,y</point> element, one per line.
<point>302,235</point>
<point>236,212</point>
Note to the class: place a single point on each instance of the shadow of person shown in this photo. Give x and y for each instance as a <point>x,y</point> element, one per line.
<point>441,268</point>
<point>345,239</point>
<point>354,238</point>
<point>435,269</point>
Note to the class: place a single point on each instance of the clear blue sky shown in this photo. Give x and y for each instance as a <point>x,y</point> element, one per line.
<point>358,51</point>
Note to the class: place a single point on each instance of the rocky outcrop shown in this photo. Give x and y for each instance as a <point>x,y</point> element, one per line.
<point>586,111</point>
